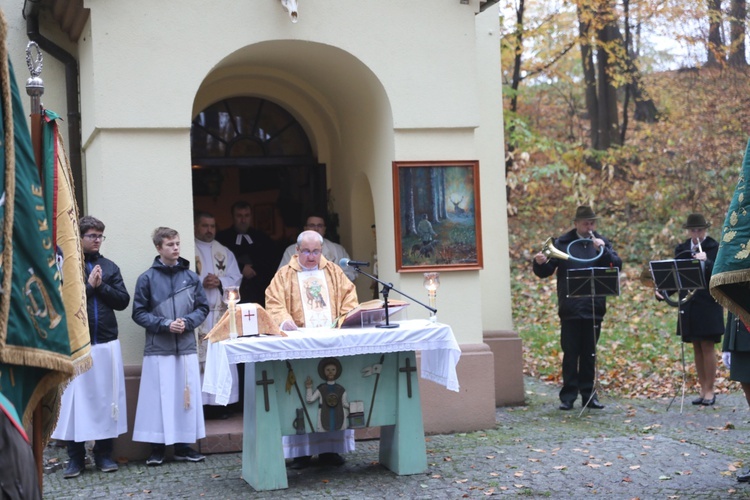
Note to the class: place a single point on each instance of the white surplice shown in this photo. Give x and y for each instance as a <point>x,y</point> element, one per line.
<point>165,413</point>
<point>93,405</point>
<point>214,258</point>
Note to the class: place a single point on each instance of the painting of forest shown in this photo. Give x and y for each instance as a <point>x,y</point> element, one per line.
<point>437,216</point>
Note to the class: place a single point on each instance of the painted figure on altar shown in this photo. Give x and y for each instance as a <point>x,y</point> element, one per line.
<point>334,405</point>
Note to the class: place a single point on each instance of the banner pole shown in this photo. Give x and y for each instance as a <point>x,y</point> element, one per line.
<point>35,89</point>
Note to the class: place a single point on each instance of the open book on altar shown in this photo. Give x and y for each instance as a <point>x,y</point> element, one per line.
<point>369,313</point>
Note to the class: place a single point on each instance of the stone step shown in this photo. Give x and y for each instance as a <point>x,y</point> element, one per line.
<point>222,436</point>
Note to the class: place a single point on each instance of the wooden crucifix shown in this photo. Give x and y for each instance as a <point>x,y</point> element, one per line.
<point>265,382</point>
<point>408,369</point>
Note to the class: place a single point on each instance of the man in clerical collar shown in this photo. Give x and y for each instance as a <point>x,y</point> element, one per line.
<point>255,252</point>
<point>217,268</point>
<point>311,292</point>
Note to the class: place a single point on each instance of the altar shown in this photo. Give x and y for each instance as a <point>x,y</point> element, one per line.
<point>360,378</point>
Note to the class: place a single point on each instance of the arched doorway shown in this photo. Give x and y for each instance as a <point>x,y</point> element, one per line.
<point>251,149</point>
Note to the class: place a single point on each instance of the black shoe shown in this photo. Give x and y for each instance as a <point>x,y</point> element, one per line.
<point>565,406</point>
<point>105,464</point>
<point>74,469</point>
<point>300,463</point>
<point>709,402</point>
<point>156,458</point>
<point>594,404</point>
<point>188,454</point>
<point>744,477</point>
<point>331,459</point>
<point>697,401</point>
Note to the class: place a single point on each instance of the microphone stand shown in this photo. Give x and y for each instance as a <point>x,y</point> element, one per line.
<point>387,287</point>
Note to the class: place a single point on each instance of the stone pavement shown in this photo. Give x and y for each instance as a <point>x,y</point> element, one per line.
<point>633,448</point>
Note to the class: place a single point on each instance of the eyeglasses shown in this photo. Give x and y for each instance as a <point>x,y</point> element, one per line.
<point>316,225</point>
<point>94,237</point>
<point>307,253</point>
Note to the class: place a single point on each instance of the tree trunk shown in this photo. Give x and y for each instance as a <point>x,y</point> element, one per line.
<point>410,226</point>
<point>737,16</point>
<point>589,76</point>
<point>628,44</point>
<point>607,37</point>
<point>645,109</point>
<point>435,194</point>
<point>715,42</point>
<point>515,82</point>
<point>442,211</point>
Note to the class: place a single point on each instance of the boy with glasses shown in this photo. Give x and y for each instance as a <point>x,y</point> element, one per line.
<point>93,406</point>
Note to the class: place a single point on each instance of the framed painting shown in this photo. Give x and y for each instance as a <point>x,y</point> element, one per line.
<point>437,215</point>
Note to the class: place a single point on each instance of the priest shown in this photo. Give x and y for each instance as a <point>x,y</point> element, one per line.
<point>217,268</point>
<point>311,292</point>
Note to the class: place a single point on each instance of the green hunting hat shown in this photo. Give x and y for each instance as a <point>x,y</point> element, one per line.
<point>585,213</point>
<point>696,221</point>
<point>730,281</point>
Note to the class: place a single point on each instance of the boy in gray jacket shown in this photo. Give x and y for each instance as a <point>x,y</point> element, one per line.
<point>169,302</point>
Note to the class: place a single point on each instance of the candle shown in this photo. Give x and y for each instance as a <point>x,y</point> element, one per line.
<point>231,297</point>
<point>432,283</point>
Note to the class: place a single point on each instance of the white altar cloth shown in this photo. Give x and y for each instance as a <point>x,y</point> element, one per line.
<point>440,351</point>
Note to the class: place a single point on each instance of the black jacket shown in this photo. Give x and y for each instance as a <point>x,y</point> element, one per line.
<point>701,316</point>
<point>104,300</point>
<point>163,294</point>
<point>578,307</point>
<point>261,254</point>
<point>736,335</point>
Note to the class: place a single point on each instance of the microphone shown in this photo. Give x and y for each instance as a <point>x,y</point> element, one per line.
<point>353,263</point>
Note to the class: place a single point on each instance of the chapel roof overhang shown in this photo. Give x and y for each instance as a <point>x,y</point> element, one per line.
<point>71,15</point>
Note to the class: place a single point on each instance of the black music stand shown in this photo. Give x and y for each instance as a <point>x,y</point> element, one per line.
<point>678,275</point>
<point>593,282</point>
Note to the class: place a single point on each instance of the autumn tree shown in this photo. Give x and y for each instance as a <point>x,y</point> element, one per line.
<point>715,45</point>
<point>737,33</point>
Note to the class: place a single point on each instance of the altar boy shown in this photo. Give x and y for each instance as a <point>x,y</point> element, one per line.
<point>169,302</point>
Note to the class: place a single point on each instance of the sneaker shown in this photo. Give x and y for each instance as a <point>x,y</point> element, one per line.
<point>74,469</point>
<point>156,458</point>
<point>105,464</point>
<point>188,454</point>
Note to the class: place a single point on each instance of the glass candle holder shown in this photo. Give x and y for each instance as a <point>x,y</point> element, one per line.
<point>231,297</point>
<point>432,283</point>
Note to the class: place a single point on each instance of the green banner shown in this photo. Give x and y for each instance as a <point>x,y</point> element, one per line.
<point>34,343</point>
<point>730,280</point>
